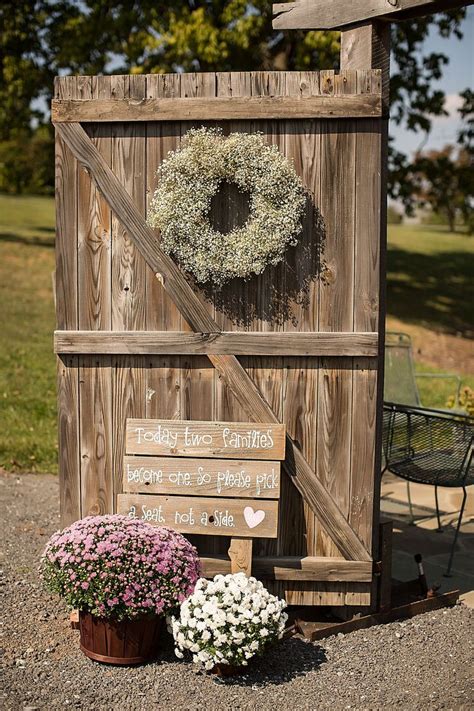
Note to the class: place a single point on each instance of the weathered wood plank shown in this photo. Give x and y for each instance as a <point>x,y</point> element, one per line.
<point>212,517</point>
<point>216,108</point>
<point>298,523</point>
<point>94,229</point>
<point>233,440</point>
<point>124,208</point>
<point>66,317</point>
<point>336,306</point>
<point>163,375</point>
<point>68,436</point>
<point>95,388</point>
<point>66,169</point>
<point>128,273</point>
<point>240,554</point>
<point>296,568</point>
<point>323,15</point>
<point>202,477</point>
<point>94,312</point>
<point>227,343</point>
<point>229,368</point>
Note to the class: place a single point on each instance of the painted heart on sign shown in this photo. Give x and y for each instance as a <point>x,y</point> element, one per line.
<point>253,518</point>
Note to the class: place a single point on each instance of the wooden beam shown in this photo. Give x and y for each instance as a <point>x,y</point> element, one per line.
<point>296,568</point>
<point>240,554</point>
<point>324,15</point>
<point>217,109</point>
<point>316,630</point>
<point>226,343</point>
<point>229,368</point>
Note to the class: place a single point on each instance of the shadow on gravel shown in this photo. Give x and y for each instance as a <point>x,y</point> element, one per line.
<point>286,661</point>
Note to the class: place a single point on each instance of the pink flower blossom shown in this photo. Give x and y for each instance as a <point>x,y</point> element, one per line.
<point>118,567</point>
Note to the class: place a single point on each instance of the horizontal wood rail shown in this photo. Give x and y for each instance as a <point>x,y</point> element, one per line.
<point>226,343</point>
<point>217,109</point>
<point>324,15</point>
<point>295,568</point>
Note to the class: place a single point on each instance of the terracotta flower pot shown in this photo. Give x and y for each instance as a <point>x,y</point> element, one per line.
<point>126,643</point>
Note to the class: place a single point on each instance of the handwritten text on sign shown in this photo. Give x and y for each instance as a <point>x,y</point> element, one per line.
<point>231,440</point>
<point>218,517</point>
<point>202,477</point>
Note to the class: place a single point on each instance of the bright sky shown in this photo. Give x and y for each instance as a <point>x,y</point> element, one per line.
<point>457,76</point>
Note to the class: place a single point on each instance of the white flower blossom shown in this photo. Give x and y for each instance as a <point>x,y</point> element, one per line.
<point>187,181</point>
<point>218,629</point>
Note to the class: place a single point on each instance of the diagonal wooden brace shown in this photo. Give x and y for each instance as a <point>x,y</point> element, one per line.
<point>198,318</point>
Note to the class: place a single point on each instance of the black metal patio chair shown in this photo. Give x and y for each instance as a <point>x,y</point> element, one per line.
<point>430,447</point>
<point>400,383</point>
<point>418,441</point>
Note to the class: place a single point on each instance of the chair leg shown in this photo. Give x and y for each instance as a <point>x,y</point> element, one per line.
<point>451,555</point>
<point>440,528</point>
<point>410,505</point>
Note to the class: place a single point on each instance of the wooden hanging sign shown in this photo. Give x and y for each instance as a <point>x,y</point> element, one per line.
<point>231,440</point>
<point>211,478</point>
<point>208,516</point>
<point>202,477</point>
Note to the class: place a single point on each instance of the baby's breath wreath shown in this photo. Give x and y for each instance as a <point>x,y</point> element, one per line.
<point>191,176</point>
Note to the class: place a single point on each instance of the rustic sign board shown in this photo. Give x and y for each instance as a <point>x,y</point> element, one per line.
<point>233,440</point>
<point>202,477</point>
<point>208,516</point>
<point>238,460</point>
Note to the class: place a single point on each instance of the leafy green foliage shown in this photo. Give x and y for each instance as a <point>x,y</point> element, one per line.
<point>444,181</point>
<point>43,38</point>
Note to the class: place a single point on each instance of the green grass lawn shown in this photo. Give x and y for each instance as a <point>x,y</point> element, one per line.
<point>27,363</point>
<point>430,278</point>
<point>428,272</point>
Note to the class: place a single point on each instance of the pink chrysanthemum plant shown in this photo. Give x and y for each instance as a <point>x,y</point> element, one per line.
<point>121,568</point>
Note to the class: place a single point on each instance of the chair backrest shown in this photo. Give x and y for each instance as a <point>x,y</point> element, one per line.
<point>400,383</point>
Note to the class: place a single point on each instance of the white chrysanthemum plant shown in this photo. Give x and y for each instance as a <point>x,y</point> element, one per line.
<point>227,621</point>
<point>189,178</point>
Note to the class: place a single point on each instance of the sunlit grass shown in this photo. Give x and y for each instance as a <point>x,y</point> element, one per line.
<point>428,271</point>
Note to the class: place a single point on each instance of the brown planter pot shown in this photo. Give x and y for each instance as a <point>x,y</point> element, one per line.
<point>226,670</point>
<point>127,642</point>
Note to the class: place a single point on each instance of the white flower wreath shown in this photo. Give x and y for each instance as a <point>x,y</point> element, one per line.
<point>188,179</point>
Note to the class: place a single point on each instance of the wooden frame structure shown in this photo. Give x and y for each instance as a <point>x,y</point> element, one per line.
<point>134,335</point>
<point>107,358</point>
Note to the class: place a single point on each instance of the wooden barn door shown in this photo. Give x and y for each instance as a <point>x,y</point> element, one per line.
<point>299,344</point>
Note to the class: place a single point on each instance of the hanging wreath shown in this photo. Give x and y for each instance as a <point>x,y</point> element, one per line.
<point>189,178</point>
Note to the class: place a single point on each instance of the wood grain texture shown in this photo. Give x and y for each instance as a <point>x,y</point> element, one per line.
<point>94,312</point>
<point>125,209</point>
<point>240,554</point>
<point>68,438</point>
<point>226,343</point>
<point>292,568</point>
<point>202,477</point>
<point>299,524</point>
<point>290,383</point>
<point>215,109</point>
<point>233,440</point>
<point>246,518</point>
<point>163,374</point>
<point>128,272</point>
<point>229,368</point>
<point>322,15</point>
<point>66,317</point>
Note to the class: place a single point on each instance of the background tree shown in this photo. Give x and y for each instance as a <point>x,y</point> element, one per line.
<point>443,181</point>
<point>42,38</point>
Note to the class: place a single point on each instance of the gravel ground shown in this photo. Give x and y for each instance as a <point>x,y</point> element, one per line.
<point>424,663</point>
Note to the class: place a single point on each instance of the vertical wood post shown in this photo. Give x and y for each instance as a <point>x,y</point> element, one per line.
<point>367,46</point>
<point>384,595</point>
<point>240,554</point>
